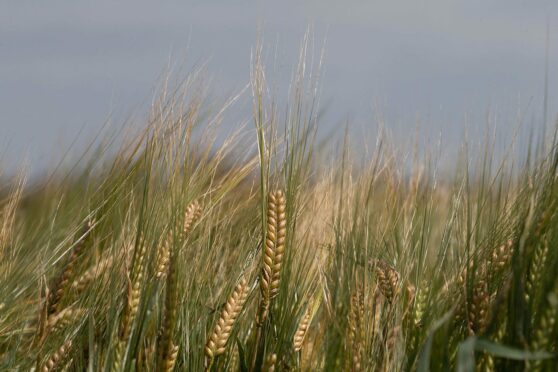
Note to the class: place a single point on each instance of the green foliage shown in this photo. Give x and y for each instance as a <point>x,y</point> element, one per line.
<point>398,267</point>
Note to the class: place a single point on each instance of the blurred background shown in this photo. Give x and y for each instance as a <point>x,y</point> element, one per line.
<point>444,67</point>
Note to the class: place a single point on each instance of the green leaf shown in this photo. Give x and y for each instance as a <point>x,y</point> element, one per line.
<point>466,353</point>
<point>241,356</point>
<point>509,352</point>
<point>423,364</point>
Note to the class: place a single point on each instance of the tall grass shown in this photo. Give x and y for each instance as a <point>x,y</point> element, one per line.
<point>278,254</point>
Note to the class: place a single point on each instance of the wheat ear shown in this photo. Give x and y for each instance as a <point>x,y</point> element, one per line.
<point>169,318</point>
<point>133,297</point>
<point>63,281</point>
<point>191,215</point>
<point>478,306</point>
<point>270,362</point>
<point>163,257</point>
<point>91,274</point>
<point>42,321</point>
<point>274,250</point>
<point>167,352</point>
<point>64,318</point>
<point>57,357</point>
<point>542,339</point>
<point>355,336</point>
<point>536,270</point>
<point>388,280</point>
<point>302,328</point>
<point>501,256</point>
<point>217,342</point>
<point>170,360</point>
<point>419,304</point>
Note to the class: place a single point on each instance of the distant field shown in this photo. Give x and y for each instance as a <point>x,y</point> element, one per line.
<point>273,251</point>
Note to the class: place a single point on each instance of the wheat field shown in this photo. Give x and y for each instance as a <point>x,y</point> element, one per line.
<point>274,250</point>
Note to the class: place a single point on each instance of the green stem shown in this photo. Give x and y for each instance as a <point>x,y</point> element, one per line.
<point>256,348</point>
<point>210,365</point>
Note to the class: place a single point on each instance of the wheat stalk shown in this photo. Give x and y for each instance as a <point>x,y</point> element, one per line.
<point>272,257</point>
<point>234,359</point>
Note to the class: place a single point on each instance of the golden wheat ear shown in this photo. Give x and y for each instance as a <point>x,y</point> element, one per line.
<point>163,258</point>
<point>501,255</point>
<point>191,215</point>
<point>62,282</point>
<point>89,276</point>
<point>170,311</point>
<point>217,342</point>
<point>172,355</point>
<point>477,307</point>
<point>272,257</point>
<point>355,335</point>
<point>131,306</point>
<point>64,318</point>
<point>58,357</point>
<point>302,328</point>
<point>270,362</point>
<point>388,280</point>
<point>167,350</point>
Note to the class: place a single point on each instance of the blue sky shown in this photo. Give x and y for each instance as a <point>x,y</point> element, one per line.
<point>66,66</point>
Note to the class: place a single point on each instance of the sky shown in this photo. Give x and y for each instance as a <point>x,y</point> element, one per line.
<point>66,67</point>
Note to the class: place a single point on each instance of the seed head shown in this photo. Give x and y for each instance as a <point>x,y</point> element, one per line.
<point>273,252</point>
<point>217,342</point>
